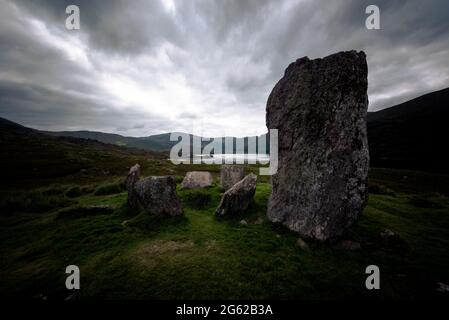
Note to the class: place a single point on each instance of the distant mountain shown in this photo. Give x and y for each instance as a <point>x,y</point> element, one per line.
<point>28,154</point>
<point>160,142</point>
<point>412,135</point>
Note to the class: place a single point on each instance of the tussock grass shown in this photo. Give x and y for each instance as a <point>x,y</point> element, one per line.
<point>35,201</point>
<point>109,188</point>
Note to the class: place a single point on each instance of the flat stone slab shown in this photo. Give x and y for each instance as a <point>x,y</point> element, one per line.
<point>197,179</point>
<point>230,175</point>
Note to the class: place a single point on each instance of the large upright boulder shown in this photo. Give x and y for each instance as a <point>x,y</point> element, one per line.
<point>131,179</point>
<point>319,108</point>
<point>239,197</point>
<point>197,179</point>
<point>157,195</point>
<point>230,175</point>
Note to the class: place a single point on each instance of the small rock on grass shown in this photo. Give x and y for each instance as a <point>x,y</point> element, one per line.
<point>302,244</point>
<point>390,237</point>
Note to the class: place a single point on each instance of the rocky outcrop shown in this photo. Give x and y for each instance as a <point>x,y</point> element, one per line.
<point>230,175</point>
<point>131,179</point>
<point>239,197</point>
<point>157,195</point>
<point>319,108</point>
<point>197,179</point>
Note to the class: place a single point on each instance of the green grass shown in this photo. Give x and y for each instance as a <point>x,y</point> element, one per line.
<point>127,253</point>
<point>109,188</point>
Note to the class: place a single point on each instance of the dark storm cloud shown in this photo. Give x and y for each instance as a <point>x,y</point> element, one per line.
<point>115,25</point>
<point>40,108</point>
<point>145,67</point>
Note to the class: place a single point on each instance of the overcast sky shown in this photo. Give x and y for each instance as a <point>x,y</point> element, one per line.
<point>145,67</point>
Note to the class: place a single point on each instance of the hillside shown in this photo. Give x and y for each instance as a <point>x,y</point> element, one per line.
<point>411,135</point>
<point>28,154</point>
<point>159,142</point>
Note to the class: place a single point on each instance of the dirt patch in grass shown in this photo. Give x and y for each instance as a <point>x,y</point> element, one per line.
<point>161,246</point>
<point>154,254</point>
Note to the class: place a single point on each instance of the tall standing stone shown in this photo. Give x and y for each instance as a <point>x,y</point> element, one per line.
<point>319,108</point>
<point>131,179</point>
<point>230,175</point>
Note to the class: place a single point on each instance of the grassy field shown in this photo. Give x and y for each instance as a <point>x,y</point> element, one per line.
<point>129,254</point>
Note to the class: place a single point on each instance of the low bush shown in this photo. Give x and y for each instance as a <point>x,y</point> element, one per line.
<point>74,192</point>
<point>107,189</point>
<point>54,190</point>
<point>34,201</point>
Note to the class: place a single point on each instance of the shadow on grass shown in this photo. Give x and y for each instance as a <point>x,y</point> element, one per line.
<point>151,224</point>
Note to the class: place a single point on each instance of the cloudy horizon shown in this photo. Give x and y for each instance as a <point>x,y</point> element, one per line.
<point>205,67</point>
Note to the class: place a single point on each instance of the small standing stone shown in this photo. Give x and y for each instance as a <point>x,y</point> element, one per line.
<point>157,195</point>
<point>131,179</point>
<point>197,179</point>
<point>239,197</point>
<point>230,175</point>
<point>302,244</point>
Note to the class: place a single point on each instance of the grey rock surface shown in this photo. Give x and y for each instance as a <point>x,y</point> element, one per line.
<point>157,195</point>
<point>320,109</point>
<point>197,179</point>
<point>230,175</point>
<point>131,179</point>
<point>239,197</point>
